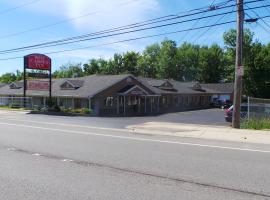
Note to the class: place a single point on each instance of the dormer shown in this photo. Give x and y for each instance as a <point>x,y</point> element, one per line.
<point>197,87</point>
<point>166,85</point>
<point>71,84</point>
<point>16,85</point>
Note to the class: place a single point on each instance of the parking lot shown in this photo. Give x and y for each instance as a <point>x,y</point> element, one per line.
<point>211,117</point>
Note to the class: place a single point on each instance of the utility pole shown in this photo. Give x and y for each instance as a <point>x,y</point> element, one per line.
<point>239,71</point>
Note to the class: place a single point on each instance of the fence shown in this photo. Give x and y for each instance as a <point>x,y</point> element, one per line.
<point>257,108</point>
<point>16,102</point>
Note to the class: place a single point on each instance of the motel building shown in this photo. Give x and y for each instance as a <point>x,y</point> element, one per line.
<point>117,95</point>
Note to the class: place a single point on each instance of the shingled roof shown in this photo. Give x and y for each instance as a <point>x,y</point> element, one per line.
<point>89,86</point>
<point>223,88</point>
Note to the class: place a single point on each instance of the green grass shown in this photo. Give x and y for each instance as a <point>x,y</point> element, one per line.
<point>12,108</point>
<point>256,124</point>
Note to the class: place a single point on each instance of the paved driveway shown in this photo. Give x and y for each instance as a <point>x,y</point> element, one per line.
<point>201,117</point>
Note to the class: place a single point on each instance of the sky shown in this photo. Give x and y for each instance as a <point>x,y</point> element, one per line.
<point>29,22</point>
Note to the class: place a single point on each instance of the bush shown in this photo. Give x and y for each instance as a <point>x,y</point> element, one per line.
<point>257,124</point>
<point>87,111</point>
<point>77,110</point>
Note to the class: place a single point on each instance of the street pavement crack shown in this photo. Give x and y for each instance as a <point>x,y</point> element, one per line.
<point>132,171</point>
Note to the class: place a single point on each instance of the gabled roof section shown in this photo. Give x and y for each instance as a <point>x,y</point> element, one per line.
<point>72,84</point>
<point>197,87</point>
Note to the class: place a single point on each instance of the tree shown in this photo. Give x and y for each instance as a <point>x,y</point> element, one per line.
<point>211,68</point>
<point>130,63</point>
<point>94,66</point>
<point>256,80</point>
<point>148,62</point>
<point>8,78</point>
<point>167,60</point>
<point>188,62</point>
<point>229,38</point>
<point>69,71</point>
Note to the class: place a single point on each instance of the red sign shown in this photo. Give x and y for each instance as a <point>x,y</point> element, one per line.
<point>37,61</point>
<point>38,85</point>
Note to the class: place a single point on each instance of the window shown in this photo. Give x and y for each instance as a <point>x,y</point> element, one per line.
<point>163,100</point>
<point>180,100</point>
<point>187,99</point>
<point>109,101</point>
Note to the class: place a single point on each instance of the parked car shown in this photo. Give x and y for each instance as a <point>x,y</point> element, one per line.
<point>229,112</point>
<point>219,103</point>
<point>255,110</point>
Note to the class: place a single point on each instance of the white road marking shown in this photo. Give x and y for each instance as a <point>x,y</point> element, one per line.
<point>138,139</point>
<point>71,125</point>
<point>36,154</point>
<point>66,160</point>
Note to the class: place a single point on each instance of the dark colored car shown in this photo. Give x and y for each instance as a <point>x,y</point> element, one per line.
<point>218,103</point>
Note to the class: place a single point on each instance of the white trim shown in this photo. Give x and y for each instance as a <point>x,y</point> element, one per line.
<point>136,86</point>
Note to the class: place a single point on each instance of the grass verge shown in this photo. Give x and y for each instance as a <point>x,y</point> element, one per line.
<point>256,124</point>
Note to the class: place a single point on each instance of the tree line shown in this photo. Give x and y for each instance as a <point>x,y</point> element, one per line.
<point>187,62</point>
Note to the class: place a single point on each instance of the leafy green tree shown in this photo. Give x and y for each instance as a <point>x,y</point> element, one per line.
<point>8,78</point>
<point>69,71</point>
<point>188,62</point>
<point>256,63</point>
<point>211,68</point>
<point>130,63</point>
<point>229,38</point>
<point>167,60</point>
<point>94,66</point>
<point>148,62</point>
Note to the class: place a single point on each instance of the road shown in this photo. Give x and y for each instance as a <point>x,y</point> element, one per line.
<point>48,157</point>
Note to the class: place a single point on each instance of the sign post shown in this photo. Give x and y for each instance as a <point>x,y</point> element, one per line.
<point>37,62</point>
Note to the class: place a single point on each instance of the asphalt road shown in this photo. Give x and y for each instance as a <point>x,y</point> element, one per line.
<point>45,157</point>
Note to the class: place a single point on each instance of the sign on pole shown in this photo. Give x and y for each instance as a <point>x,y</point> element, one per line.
<point>38,62</point>
<point>240,71</point>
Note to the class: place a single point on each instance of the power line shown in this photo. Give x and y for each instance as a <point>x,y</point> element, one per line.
<point>59,22</point>
<point>82,38</point>
<point>207,21</point>
<point>259,17</point>
<point>212,7</point>
<point>17,7</point>
<point>133,25</point>
<point>266,30</point>
<point>128,40</point>
<point>133,39</point>
<point>207,30</point>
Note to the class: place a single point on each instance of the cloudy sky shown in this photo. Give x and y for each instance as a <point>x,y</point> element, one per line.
<point>29,22</point>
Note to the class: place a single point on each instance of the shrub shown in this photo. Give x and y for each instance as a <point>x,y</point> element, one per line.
<point>87,111</point>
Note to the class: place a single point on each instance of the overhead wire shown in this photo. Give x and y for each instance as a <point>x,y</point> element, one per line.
<point>132,39</point>
<point>208,29</point>
<point>259,17</point>
<point>18,7</point>
<point>60,22</point>
<point>82,38</point>
<point>143,23</point>
<point>127,40</point>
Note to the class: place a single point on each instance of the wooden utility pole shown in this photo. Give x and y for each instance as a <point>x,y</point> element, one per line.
<point>238,65</point>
